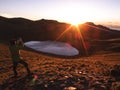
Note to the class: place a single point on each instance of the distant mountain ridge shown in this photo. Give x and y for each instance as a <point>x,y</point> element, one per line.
<point>51,30</point>
<point>80,37</point>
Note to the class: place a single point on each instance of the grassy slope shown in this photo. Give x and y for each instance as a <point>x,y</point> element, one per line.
<point>55,73</point>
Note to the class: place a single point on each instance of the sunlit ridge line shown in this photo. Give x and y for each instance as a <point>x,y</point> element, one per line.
<point>98,28</point>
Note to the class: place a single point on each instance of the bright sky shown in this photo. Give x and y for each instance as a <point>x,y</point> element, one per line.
<point>72,11</point>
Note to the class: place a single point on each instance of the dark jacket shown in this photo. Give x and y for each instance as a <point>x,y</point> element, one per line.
<point>15,52</point>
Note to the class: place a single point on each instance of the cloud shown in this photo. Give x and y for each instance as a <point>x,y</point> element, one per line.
<point>117,27</point>
<point>113,25</point>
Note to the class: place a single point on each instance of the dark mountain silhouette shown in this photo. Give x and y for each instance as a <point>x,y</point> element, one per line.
<point>50,29</point>
<point>54,30</point>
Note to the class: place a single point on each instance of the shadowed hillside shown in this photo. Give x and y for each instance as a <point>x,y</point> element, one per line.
<point>51,30</point>
<point>82,37</point>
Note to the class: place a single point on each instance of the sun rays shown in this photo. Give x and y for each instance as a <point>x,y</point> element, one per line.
<point>62,34</point>
<point>81,39</point>
<point>77,35</point>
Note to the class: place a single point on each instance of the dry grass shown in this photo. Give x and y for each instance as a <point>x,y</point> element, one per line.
<point>53,73</point>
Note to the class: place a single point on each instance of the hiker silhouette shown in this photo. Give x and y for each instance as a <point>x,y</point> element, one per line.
<point>15,46</point>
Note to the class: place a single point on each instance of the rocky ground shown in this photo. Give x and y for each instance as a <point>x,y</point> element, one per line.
<point>95,72</point>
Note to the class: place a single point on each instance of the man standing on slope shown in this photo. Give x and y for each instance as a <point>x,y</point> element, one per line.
<point>15,46</point>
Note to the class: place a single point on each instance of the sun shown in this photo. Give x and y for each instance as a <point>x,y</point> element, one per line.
<point>75,22</point>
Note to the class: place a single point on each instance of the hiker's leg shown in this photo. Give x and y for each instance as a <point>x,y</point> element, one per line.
<point>25,65</point>
<point>14,68</point>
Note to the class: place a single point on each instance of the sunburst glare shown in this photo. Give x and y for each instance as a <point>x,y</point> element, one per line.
<point>77,36</point>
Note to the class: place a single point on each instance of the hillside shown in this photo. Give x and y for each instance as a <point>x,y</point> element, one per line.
<point>99,70</point>
<point>58,73</point>
<point>51,30</point>
<point>81,37</point>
